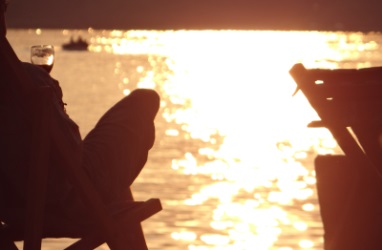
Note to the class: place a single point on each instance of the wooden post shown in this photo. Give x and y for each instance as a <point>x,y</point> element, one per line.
<point>37,170</point>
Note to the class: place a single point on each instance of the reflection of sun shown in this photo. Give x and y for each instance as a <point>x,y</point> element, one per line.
<point>230,93</point>
<point>251,105</point>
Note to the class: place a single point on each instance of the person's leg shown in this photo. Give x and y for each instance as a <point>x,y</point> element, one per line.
<point>116,150</point>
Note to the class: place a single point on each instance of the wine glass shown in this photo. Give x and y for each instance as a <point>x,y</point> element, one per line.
<point>43,56</point>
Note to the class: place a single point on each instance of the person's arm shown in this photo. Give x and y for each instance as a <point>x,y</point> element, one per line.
<point>41,78</point>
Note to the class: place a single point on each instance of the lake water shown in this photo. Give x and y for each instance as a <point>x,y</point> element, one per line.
<point>233,159</point>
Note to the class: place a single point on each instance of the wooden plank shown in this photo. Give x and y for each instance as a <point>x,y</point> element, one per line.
<point>129,219</point>
<point>349,204</point>
<point>38,171</point>
<point>5,241</point>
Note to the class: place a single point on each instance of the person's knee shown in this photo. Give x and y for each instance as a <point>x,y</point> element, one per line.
<point>148,101</point>
<point>148,94</point>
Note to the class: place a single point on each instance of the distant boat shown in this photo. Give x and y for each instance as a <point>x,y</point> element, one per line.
<point>79,44</point>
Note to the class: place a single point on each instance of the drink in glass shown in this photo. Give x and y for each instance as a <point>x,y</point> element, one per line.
<point>43,56</point>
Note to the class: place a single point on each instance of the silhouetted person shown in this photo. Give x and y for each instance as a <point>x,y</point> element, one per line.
<point>113,153</point>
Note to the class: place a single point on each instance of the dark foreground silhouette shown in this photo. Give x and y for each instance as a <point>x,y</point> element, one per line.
<point>349,103</point>
<point>53,183</point>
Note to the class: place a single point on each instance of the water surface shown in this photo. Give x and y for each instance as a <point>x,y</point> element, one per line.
<point>233,159</point>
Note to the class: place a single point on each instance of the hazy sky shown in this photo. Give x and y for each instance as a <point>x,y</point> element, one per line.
<point>198,14</point>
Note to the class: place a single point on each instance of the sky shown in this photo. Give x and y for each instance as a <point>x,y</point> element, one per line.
<point>352,15</point>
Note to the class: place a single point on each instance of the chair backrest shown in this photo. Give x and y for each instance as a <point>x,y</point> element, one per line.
<point>343,96</point>
<point>349,103</point>
<point>348,99</point>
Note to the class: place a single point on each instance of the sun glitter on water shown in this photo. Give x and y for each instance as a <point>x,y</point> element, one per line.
<point>231,94</point>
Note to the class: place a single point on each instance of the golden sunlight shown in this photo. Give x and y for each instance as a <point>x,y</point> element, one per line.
<point>229,96</point>
<point>245,96</point>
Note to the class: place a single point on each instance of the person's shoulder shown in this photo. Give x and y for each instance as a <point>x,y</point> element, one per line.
<point>42,78</point>
<point>34,69</point>
<point>30,66</point>
<point>38,74</point>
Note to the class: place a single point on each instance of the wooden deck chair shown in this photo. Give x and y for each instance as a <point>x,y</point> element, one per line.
<point>349,104</point>
<point>118,225</point>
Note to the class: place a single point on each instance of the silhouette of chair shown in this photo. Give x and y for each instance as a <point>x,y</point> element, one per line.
<point>116,224</point>
<point>349,104</point>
